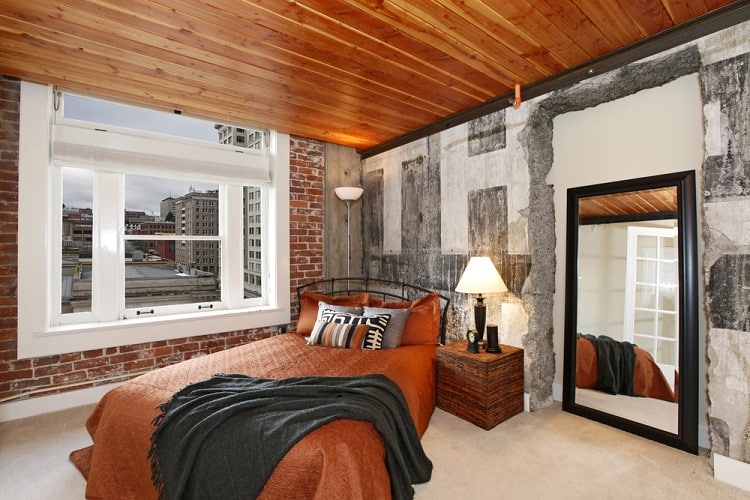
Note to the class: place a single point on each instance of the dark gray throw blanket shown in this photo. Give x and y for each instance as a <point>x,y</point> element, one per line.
<point>615,364</point>
<point>222,437</point>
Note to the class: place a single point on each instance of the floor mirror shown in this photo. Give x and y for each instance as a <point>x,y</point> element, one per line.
<point>631,311</point>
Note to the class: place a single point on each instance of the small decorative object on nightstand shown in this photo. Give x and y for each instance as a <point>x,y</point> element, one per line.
<point>492,341</point>
<point>483,388</point>
<point>472,342</point>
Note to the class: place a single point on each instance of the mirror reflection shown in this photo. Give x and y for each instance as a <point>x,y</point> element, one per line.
<point>631,307</point>
<point>627,337</point>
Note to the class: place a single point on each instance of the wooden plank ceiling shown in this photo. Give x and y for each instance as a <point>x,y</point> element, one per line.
<point>351,72</point>
<point>644,202</point>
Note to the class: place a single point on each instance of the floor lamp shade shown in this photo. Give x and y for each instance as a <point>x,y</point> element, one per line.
<point>480,277</point>
<point>348,193</point>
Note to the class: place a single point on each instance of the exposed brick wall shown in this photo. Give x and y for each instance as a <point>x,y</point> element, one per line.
<point>59,373</point>
<point>306,208</point>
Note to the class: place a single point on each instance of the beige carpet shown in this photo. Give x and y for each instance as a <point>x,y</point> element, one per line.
<point>546,454</point>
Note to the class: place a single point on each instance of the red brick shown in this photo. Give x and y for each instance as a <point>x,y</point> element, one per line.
<point>69,378</point>
<point>15,375</point>
<point>91,363</point>
<point>141,364</point>
<point>104,371</point>
<point>43,371</point>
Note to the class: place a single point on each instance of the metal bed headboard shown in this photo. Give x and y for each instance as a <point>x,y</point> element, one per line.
<point>381,288</point>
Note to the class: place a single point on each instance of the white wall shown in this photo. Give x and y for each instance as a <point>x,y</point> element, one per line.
<point>655,131</point>
<point>602,263</point>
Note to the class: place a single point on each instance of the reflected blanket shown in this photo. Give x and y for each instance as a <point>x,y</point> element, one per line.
<point>222,437</point>
<point>616,363</point>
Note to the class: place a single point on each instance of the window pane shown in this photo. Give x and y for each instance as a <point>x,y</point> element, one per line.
<point>667,299</point>
<point>666,352</point>
<point>155,275</point>
<point>668,248</point>
<point>77,226</point>
<point>137,118</point>
<point>645,296</point>
<point>102,112</point>
<point>667,272</point>
<point>647,246</point>
<point>645,271</point>
<point>253,251</point>
<point>644,322</point>
<point>668,325</point>
<point>646,343</point>
<point>158,205</point>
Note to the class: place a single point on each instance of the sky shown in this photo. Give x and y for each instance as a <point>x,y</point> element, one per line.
<point>142,193</point>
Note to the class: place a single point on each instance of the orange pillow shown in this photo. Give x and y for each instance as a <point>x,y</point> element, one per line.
<point>423,325</point>
<point>308,307</point>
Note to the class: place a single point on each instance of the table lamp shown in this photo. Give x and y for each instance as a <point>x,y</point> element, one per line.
<point>480,277</point>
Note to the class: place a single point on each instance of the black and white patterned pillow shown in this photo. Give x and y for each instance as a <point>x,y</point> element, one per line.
<point>329,334</point>
<point>376,322</point>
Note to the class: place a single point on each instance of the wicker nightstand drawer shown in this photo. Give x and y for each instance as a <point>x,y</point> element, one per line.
<point>483,388</point>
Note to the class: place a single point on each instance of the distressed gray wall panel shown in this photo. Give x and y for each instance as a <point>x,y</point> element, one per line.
<point>372,222</point>
<point>729,292</point>
<point>727,83</point>
<point>488,221</point>
<point>488,235</point>
<point>487,133</point>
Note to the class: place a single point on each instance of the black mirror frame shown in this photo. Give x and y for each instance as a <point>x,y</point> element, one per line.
<point>687,433</point>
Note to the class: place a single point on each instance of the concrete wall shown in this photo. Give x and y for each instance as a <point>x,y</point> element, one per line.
<point>726,105</point>
<point>343,168</point>
<point>432,204</point>
<point>490,187</point>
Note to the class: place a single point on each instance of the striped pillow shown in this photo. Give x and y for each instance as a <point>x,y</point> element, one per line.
<point>340,335</point>
<point>376,324</point>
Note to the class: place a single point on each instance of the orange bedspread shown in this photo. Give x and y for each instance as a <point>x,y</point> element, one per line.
<point>343,459</point>
<point>648,379</point>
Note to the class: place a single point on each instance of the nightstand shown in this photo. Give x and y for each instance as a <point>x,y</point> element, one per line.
<point>484,389</point>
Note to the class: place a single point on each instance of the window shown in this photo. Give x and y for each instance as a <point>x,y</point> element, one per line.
<point>130,252</point>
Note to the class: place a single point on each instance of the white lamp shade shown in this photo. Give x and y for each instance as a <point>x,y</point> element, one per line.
<point>347,193</point>
<point>481,276</point>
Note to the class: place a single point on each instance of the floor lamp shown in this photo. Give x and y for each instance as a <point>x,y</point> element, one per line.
<point>348,195</point>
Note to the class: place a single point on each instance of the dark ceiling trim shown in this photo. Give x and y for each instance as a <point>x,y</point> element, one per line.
<point>711,22</point>
<point>611,219</point>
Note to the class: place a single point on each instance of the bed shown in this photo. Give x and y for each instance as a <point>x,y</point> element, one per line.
<point>647,378</point>
<point>342,459</point>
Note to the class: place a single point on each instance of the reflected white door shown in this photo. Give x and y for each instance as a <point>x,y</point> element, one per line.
<point>651,295</point>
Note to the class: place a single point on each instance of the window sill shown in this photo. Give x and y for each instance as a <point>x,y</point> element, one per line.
<point>83,337</point>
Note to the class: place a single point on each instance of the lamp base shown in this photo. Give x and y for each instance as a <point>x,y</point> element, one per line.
<point>480,317</point>
<point>493,350</point>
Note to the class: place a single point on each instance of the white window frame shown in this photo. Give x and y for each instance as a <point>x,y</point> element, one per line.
<point>38,276</point>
